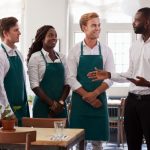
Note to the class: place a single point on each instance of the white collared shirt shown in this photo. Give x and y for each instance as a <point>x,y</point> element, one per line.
<point>73,62</point>
<point>36,67</point>
<point>139,65</point>
<point>4,68</point>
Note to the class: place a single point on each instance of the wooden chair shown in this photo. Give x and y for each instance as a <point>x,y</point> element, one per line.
<point>122,132</point>
<point>41,122</point>
<point>16,140</point>
<point>116,120</point>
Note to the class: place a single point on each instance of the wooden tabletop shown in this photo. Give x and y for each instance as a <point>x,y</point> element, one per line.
<point>44,136</point>
<point>17,129</point>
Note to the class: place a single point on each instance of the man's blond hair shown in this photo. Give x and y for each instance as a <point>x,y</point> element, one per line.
<point>86,17</point>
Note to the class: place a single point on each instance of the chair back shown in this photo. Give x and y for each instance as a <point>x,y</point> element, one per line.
<point>116,119</point>
<point>41,122</point>
<point>122,108</point>
<point>8,138</point>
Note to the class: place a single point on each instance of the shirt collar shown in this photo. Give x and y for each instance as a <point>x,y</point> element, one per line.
<point>141,39</point>
<point>9,49</point>
<point>84,44</point>
<point>46,53</point>
<point>148,40</point>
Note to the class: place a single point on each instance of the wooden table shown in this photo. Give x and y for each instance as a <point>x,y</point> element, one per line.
<point>43,141</point>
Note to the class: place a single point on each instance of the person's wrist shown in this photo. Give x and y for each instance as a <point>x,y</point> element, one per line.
<point>84,95</point>
<point>96,92</point>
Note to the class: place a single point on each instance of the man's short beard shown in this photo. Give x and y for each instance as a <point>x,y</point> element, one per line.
<point>139,30</point>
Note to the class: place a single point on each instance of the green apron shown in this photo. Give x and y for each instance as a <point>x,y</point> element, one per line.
<point>83,115</point>
<point>15,87</point>
<point>52,84</point>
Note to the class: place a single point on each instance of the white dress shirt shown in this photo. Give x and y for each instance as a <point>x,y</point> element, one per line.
<point>4,68</point>
<point>139,65</point>
<point>36,67</point>
<point>73,61</point>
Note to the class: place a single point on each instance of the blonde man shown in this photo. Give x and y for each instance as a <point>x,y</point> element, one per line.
<point>89,103</point>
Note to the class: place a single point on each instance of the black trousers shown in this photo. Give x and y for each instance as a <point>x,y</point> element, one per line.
<point>137,121</point>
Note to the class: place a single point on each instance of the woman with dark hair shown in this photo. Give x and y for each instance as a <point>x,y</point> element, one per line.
<point>47,71</point>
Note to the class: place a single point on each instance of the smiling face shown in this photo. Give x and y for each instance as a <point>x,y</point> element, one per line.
<point>50,39</point>
<point>92,28</point>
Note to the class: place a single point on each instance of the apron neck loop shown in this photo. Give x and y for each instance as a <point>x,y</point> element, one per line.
<point>45,58</point>
<point>6,51</point>
<point>99,48</point>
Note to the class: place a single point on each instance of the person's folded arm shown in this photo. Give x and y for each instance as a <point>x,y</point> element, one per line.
<point>89,97</point>
<point>102,88</point>
<point>66,90</point>
<point>40,93</point>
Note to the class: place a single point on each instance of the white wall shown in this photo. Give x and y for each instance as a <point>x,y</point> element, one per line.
<point>41,12</point>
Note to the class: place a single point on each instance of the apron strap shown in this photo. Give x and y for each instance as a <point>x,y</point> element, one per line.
<point>6,51</point>
<point>58,56</point>
<point>43,57</point>
<point>81,48</point>
<point>99,46</point>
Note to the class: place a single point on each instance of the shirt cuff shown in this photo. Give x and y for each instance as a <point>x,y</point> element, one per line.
<point>75,86</point>
<point>114,76</point>
<point>108,82</point>
<point>34,85</point>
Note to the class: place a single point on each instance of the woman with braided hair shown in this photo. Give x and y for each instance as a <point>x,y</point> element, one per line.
<point>47,71</point>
